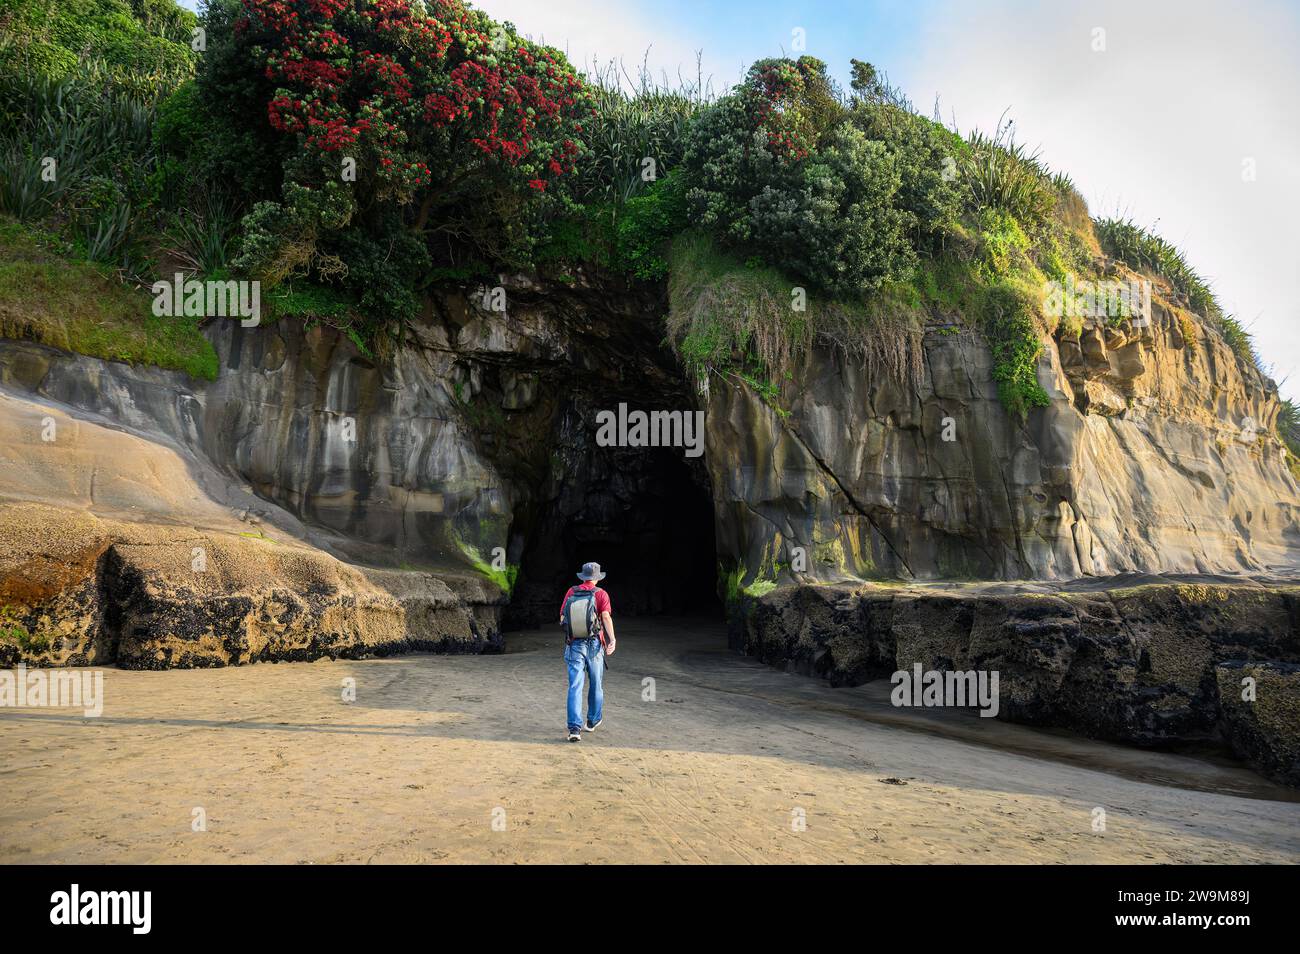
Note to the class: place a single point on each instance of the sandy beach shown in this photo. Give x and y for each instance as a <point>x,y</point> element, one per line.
<point>462,759</point>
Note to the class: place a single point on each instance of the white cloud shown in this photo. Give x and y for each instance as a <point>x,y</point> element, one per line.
<point>1155,127</point>
<point>590,32</point>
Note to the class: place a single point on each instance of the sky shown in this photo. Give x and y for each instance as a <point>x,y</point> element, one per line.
<point>1179,114</point>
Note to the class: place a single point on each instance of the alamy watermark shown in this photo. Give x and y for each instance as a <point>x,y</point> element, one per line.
<point>193,298</point>
<point>54,688</point>
<point>1081,298</point>
<point>933,688</point>
<point>626,428</point>
<point>75,906</point>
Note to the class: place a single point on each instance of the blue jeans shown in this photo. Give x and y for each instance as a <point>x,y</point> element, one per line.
<point>585,655</point>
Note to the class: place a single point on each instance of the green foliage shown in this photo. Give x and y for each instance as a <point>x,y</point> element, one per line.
<point>79,153</point>
<point>107,238</point>
<point>734,591</point>
<point>1002,305</point>
<point>837,224</point>
<point>24,192</point>
<point>626,130</point>
<point>216,127</point>
<point>751,145</point>
<point>299,299</point>
<point>738,320</point>
<point>441,146</point>
<point>1003,244</point>
<point>382,271</point>
<point>48,295</point>
<point>320,304</point>
<point>1016,344</point>
<point>505,578</point>
<point>88,126</point>
<point>1003,175</point>
<point>199,237</point>
<point>582,235</point>
<point>776,172</point>
<point>1288,425</point>
<point>631,236</point>
<point>732,584</point>
<point>648,224</point>
<point>189,143</point>
<point>279,242</point>
<point>888,211</point>
<point>1145,251</point>
<point>1288,429</point>
<point>926,158</point>
<point>727,318</point>
<point>1148,252</point>
<point>728,170</point>
<point>1239,339</point>
<point>143,43</point>
<point>470,272</point>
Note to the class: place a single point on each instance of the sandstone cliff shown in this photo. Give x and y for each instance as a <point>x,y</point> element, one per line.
<point>1156,455</point>
<point>473,442</point>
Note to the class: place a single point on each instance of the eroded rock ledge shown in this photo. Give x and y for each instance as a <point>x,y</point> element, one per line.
<point>80,590</point>
<point>115,548</point>
<point>1142,660</point>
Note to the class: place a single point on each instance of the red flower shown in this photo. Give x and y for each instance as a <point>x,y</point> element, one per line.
<point>379,81</point>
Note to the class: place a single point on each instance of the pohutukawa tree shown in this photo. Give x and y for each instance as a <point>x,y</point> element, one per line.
<point>449,117</point>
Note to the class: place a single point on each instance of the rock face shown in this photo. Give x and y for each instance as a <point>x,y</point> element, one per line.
<point>111,551</point>
<point>472,443</point>
<point>1263,730</point>
<point>1150,664</point>
<point>1155,456</point>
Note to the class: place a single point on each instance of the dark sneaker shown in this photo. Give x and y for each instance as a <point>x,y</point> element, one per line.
<point>592,726</point>
<point>575,735</point>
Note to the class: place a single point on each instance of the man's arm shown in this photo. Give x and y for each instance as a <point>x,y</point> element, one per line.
<point>607,622</point>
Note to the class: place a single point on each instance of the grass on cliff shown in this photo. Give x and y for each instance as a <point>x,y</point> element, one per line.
<point>1288,428</point>
<point>746,320</point>
<point>1147,252</point>
<point>49,297</point>
<point>736,318</point>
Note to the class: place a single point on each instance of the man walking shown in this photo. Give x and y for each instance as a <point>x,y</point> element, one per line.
<point>588,639</point>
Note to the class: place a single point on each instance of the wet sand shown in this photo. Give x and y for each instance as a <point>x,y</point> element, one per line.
<point>463,759</point>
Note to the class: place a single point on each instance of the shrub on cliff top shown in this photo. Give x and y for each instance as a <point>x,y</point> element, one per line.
<point>143,44</point>
<point>926,157</point>
<point>1001,174</point>
<point>777,172</point>
<point>395,115</point>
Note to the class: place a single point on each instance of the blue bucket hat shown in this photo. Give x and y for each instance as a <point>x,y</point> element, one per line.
<point>591,571</point>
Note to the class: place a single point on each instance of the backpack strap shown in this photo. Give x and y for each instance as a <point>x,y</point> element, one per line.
<point>568,627</point>
<point>600,626</point>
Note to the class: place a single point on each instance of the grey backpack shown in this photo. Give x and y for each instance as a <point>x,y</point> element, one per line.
<point>580,618</point>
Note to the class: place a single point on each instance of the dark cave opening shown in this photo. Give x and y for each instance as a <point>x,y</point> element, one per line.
<point>646,516</point>
<point>644,513</point>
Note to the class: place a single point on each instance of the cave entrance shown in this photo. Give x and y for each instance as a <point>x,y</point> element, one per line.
<point>645,515</point>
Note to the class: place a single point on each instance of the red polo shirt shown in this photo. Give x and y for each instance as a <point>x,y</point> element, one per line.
<point>602,602</point>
